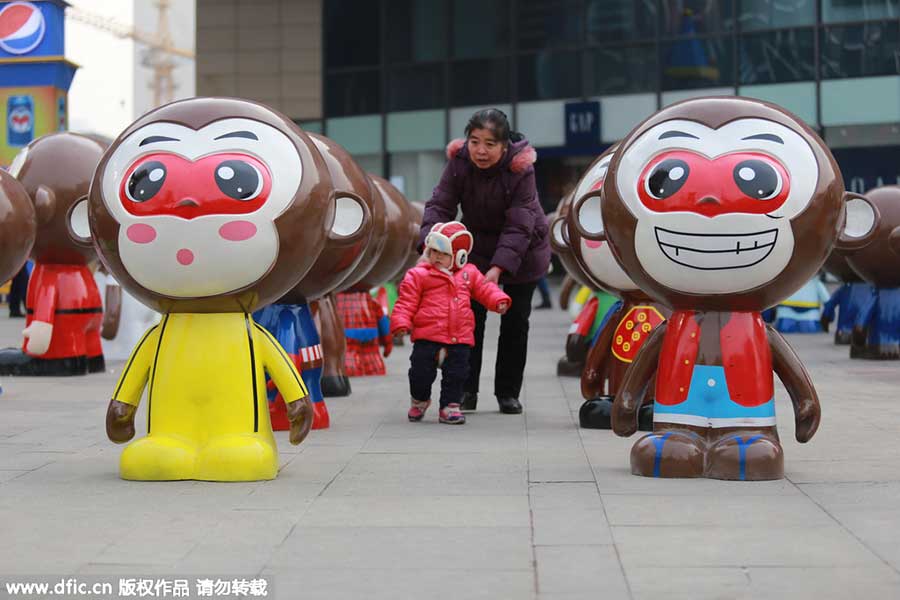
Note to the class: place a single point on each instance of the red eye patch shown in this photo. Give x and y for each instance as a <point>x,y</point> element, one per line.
<point>741,182</point>
<point>168,184</point>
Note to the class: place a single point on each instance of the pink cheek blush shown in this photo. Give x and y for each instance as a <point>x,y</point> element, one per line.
<point>237,231</point>
<point>592,244</point>
<point>140,233</point>
<point>184,256</point>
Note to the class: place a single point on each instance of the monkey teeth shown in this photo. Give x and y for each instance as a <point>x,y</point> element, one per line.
<point>713,251</point>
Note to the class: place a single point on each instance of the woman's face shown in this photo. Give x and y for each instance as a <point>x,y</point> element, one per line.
<point>484,149</point>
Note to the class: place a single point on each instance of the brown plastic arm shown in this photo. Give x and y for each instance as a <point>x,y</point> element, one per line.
<point>799,386</point>
<point>596,365</point>
<point>300,414</point>
<point>638,377</point>
<point>112,311</point>
<point>565,292</point>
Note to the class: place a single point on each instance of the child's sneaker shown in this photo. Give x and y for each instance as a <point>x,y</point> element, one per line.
<point>417,410</point>
<point>451,415</point>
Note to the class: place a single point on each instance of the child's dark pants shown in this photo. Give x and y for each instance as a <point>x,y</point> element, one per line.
<point>423,370</point>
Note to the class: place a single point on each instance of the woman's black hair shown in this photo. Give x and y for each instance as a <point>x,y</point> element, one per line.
<point>494,120</point>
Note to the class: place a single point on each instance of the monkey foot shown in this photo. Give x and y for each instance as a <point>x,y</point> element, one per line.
<point>746,457</point>
<point>668,454</point>
<point>15,362</point>
<point>335,385</point>
<point>842,338</point>
<point>596,413</point>
<point>237,457</point>
<point>158,458</point>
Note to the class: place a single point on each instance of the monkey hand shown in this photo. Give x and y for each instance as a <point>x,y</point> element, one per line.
<point>38,334</point>
<point>388,343</point>
<point>825,322</point>
<point>624,417</point>
<point>806,419</point>
<point>120,421</point>
<point>300,414</point>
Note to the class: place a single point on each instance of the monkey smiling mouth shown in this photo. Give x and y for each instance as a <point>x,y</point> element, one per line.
<point>714,251</point>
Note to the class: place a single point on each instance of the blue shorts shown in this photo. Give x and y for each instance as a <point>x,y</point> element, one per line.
<point>708,404</point>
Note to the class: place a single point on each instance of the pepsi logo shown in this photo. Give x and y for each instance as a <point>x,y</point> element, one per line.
<point>22,27</point>
<point>20,120</point>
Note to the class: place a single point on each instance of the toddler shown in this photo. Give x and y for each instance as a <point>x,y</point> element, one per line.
<point>434,306</point>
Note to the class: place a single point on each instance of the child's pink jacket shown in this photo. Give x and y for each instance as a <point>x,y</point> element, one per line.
<point>434,304</point>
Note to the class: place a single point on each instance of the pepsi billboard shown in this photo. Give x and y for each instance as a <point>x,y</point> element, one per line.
<point>29,29</point>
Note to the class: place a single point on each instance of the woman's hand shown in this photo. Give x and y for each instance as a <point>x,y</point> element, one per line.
<point>493,274</point>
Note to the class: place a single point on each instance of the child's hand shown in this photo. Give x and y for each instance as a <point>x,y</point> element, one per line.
<point>503,307</point>
<point>401,332</point>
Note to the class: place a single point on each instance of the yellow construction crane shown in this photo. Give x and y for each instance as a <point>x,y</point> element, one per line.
<point>160,47</point>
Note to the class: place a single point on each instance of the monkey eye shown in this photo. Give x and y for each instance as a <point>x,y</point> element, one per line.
<point>146,181</point>
<point>667,178</point>
<point>239,180</point>
<point>757,179</point>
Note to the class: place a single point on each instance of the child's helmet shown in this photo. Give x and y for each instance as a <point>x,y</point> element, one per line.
<point>451,238</point>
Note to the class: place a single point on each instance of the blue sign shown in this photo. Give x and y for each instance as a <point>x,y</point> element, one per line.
<point>867,168</point>
<point>583,124</point>
<point>31,28</point>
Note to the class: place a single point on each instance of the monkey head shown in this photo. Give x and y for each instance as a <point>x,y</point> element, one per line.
<point>56,171</point>
<point>559,241</point>
<point>18,225</point>
<point>400,236</point>
<point>595,256</point>
<point>837,265</point>
<point>353,228</point>
<point>417,213</point>
<point>878,263</point>
<point>724,204</point>
<point>209,205</point>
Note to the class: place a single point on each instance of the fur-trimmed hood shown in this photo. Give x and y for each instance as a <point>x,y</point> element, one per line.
<point>519,156</point>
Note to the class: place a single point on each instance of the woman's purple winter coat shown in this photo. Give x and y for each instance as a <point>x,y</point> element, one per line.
<point>500,207</point>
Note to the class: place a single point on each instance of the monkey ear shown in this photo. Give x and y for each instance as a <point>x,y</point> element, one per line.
<point>44,204</point>
<point>352,219</point>
<point>559,240</point>
<point>78,224</point>
<point>587,218</point>
<point>860,225</point>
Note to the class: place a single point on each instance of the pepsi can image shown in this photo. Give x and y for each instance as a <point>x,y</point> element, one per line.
<point>19,120</point>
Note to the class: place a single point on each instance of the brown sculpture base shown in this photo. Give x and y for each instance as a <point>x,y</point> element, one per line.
<point>732,453</point>
<point>567,368</point>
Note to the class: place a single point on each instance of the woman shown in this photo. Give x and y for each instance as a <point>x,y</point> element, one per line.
<point>491,178</point>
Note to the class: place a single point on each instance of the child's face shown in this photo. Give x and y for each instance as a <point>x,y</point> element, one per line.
<point>439,259</point>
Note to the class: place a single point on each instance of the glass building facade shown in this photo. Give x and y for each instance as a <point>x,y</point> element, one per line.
<point>401,77</point>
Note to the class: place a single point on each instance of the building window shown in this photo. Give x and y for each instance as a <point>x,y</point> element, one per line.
<point>620,70</point>
<point>696,17</point>
<point>860,50</point>
<point>353,93</point>
<point>548,75</point>
<point>477,82</point>
<point>859,10</point>
<point>774,14</point>
<point>615,20</point>
<point>777,56</point>
<point>415,88</point>
<point>416,30</point>
<point>480,28</point>
<point>694,62</point>
<point>547,24</point>
<point>351,33</point>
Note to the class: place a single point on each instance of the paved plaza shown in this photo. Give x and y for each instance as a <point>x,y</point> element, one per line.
<point>505,507</point>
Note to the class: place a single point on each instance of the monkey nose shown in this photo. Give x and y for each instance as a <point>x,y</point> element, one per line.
<point>708,200</point>
<point>188,202</point>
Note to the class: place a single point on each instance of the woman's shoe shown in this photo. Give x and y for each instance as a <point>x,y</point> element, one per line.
<point>509,406</point>
<point>469,401</point>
